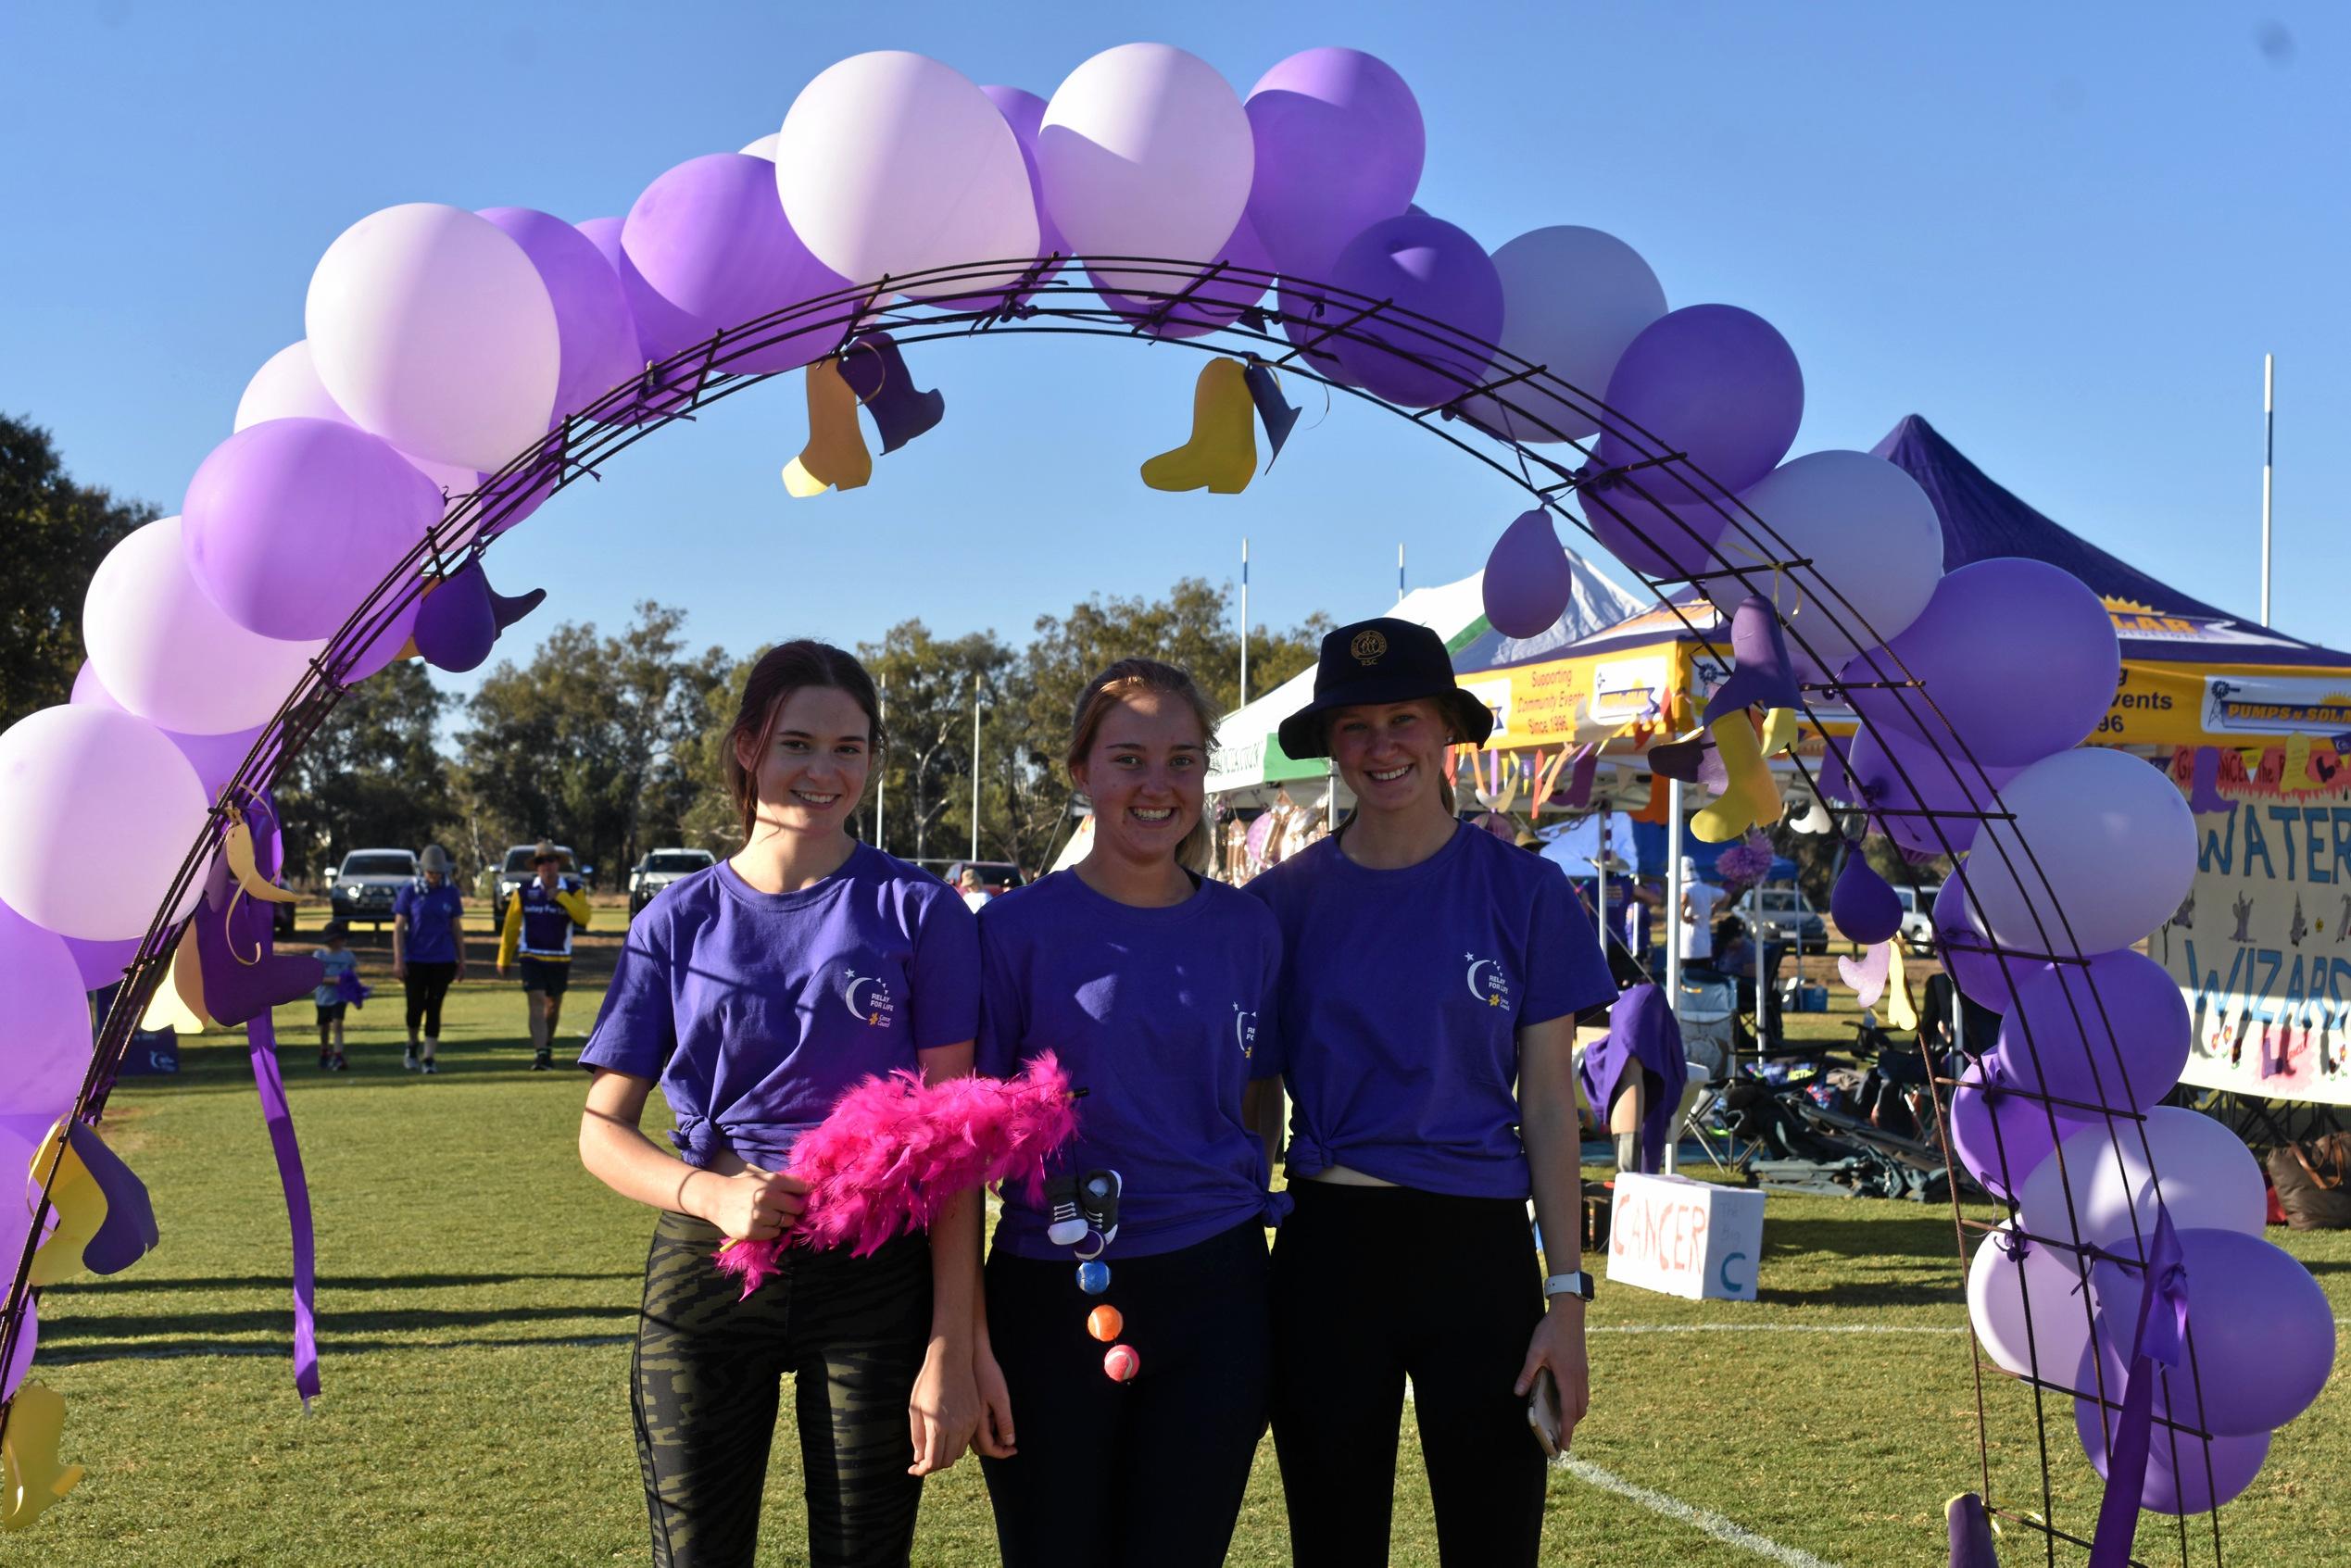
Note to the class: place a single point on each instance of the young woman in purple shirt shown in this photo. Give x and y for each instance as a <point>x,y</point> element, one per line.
<point>756,992</point>
<point>1155,990</point>
<point>1431,979</point>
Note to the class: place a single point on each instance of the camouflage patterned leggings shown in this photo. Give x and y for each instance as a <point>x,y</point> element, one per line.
<point>704,1386</point>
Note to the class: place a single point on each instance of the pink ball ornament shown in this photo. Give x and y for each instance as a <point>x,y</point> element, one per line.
<point>1121,1365</point>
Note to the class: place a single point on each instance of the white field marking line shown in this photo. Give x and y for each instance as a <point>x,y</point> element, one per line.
<point>94,1355</point>
<point>1729,1532</point>
<point>1774,1328</point>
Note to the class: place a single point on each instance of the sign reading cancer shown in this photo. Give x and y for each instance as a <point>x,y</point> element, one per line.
<point>1681,1237</point>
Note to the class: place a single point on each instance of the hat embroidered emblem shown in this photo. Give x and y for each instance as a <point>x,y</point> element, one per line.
<point>1369,646</point>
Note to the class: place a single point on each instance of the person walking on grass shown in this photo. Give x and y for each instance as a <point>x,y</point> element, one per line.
<point>540,918</point>
<point>757,992</point>
<point>337,960</point>
<point>428,952</point>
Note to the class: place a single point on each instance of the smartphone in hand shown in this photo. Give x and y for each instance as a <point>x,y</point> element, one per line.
<point>1543,1412</point>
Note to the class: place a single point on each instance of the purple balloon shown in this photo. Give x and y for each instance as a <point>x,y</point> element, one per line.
<point>1628,515</point>
<point>1715,382</point>
<point>1025,112</point>
<point>663,329</point>
<point>2185,1473</point>
<point>1527,583</point>
<point>2260,1332</point>
<point>1307,314</point>
<point>710,237</point>
<point>1340,144</point>
<point>1986,977</point>
<point>2112,1033</point>
<point>1902,776</point>
<point>1863,904</point>
<point>291,523</point>
<point>2019,659</point>
<point>1207,306</point>
<point>46,1049</point>
<point>1428,266</point>
<point>592,319</point>
<point>1999,1135</point>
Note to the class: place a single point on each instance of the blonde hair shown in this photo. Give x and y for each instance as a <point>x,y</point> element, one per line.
<point>1113,687</point>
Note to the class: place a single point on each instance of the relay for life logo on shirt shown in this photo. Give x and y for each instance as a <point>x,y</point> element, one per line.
<point>1488,982</point>
<point>1245,1030</point>
<point>869,999</point>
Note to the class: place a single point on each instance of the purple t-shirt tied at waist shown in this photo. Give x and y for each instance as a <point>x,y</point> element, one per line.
<point>1402,993</point>
<point>1163,1016</point>
<point>756,1011</point>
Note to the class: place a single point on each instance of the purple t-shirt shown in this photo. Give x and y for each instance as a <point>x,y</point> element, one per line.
<point>1403,995</point>
<point>433,915</point>
<point>1163,1016</point>
<point>757,1011</point>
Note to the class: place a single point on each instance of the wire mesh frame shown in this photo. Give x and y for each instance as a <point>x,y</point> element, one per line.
<point>1164,296</point>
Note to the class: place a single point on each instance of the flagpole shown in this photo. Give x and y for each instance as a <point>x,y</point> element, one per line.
<point>2268,448</point>
<point>882,784</point>
<point>1244,629</point>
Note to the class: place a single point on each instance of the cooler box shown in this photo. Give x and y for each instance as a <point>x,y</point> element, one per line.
<point>1804,996</point>
<point>1682,1238</point>
<point>151,1053</point>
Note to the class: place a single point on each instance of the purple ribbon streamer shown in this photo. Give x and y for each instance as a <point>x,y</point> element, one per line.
<point>263,1032</point>
<point>2158,1339</point>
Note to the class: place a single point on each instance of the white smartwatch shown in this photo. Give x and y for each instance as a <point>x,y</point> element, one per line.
<point>1577,1285</point>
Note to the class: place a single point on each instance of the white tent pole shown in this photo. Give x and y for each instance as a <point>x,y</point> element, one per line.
<point>2268,446</point>
<point>881,785</point>
<point>1600,864</point>
<point>1400,572</point>
<point>1673,893</point>
<point>1244,640</point>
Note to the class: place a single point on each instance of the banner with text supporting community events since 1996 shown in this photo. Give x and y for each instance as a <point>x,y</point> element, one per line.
<point>2262,945</point>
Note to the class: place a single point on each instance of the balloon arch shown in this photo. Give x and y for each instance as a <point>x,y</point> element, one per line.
<point>429,354</point>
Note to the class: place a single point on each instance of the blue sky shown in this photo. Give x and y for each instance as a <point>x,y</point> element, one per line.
<point>2065,234</point>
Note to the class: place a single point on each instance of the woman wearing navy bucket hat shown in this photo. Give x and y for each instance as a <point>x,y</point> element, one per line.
<point>1432,976</point>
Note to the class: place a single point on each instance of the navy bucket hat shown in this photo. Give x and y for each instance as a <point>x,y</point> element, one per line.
<point>1378,661</point>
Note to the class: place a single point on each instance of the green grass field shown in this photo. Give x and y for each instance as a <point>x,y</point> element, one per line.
<point>477,1289</point>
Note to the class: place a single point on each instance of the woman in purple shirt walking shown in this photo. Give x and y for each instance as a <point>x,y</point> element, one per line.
<point>1432,976</point>
<point>756,992</point>
<point>1155,990</point>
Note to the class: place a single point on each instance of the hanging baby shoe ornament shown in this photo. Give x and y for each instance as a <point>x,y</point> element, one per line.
<point>1093,1278</point>
<point>1221,456</point>
<point>1121,1365</point>
<point>1098,1196</point>
<point>1273,411</point>
<point>877,371</point>
<point>1067,1227</point>
<point>836,456</point>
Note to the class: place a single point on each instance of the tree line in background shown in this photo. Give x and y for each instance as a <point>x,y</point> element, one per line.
<point>613,744</point>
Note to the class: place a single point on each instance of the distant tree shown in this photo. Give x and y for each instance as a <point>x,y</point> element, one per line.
<point>370,776</point>
<point>929,685</point>
<point>56,532</point>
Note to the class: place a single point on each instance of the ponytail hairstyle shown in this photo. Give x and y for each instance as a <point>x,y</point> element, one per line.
<point>781,671</point>
<point>1107,690</point>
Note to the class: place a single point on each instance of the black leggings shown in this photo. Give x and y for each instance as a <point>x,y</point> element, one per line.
<point>427,983</point>
<point>1373,1285</point>
<point>1147,1472</point>
<point>704,1384</point>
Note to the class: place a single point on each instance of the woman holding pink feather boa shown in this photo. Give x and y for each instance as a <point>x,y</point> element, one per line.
<point>1131,1318</point>
<point>756,993</point>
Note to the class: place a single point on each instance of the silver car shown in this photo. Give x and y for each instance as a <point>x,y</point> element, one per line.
<point>367,880</point>
<point>658,869</point>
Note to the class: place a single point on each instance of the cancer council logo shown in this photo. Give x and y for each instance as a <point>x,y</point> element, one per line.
<point>1488,982</point>
<point>869,999</point>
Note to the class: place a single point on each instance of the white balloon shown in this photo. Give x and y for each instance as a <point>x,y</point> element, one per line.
<point>2204,1175</point>
<point>761,146</point>
<point>2112,852</point>
<point>2000,1284</point>
<point>430,327</point>
<point>1145,150</point>
<point>1572,299</point>
<point>165,652</point>
<point>287,387</point>
<point>891,164</point>
<point>1870,534</point>
<point>97,810</point>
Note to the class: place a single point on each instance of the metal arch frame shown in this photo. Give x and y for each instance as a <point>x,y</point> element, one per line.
<point>1030,294</point>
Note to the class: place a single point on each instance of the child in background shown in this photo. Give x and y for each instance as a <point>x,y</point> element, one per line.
<point>338,961</point>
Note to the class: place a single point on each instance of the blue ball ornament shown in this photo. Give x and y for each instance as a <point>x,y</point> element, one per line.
<point>1093,1278</point>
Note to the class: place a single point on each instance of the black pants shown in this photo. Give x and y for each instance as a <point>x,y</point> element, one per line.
<point>1375,1284</point>
<point>705,1390</point>
<point>426,986</point>
<point>1147,1472</point>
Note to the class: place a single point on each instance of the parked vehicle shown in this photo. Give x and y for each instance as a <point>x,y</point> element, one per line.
<point>1784,914</point>
<point>519,870</point>
<point>1917,918</point>
<point>996,876</point>
<point>658,869</point>
<point>367,880</point>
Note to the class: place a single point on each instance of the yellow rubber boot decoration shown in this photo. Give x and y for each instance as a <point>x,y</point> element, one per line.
<point>1902,1014</point>
<point>835,455</point>
<point>1779,730</point>
<point>81,1206</point>
<point>1753,797</point>
<point>30,1478</point>
<point>1222,455</point>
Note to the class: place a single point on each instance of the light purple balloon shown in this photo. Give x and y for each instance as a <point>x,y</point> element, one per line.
<point>2260,1330</point>
<point>1025,112</point>
<point>1863,904</point>
<point>710,237</point>
<point>46,1049</point>
<point>1715,382</point>
<point>1428,266</point>
<point>216,758</point>
<point>2000,1136</point>
<point>2019,658</point>
<point>1900,775</point>
<point>102,963</point>
<point>1339,145</point>
<point>592,315</point>
<point>2185,1473</point>
<point>1215,304</point>
<point>1978,974</point>
<point>1527,583</point>
<point>18,1139</point>
<point>290,523</point>
<point>2112,1033</point>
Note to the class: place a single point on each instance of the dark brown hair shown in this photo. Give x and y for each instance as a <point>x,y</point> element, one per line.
<point>1107,690</point>
<point>781,671</point>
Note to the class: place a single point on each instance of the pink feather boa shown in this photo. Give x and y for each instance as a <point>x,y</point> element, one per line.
<point>895,1149</point>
